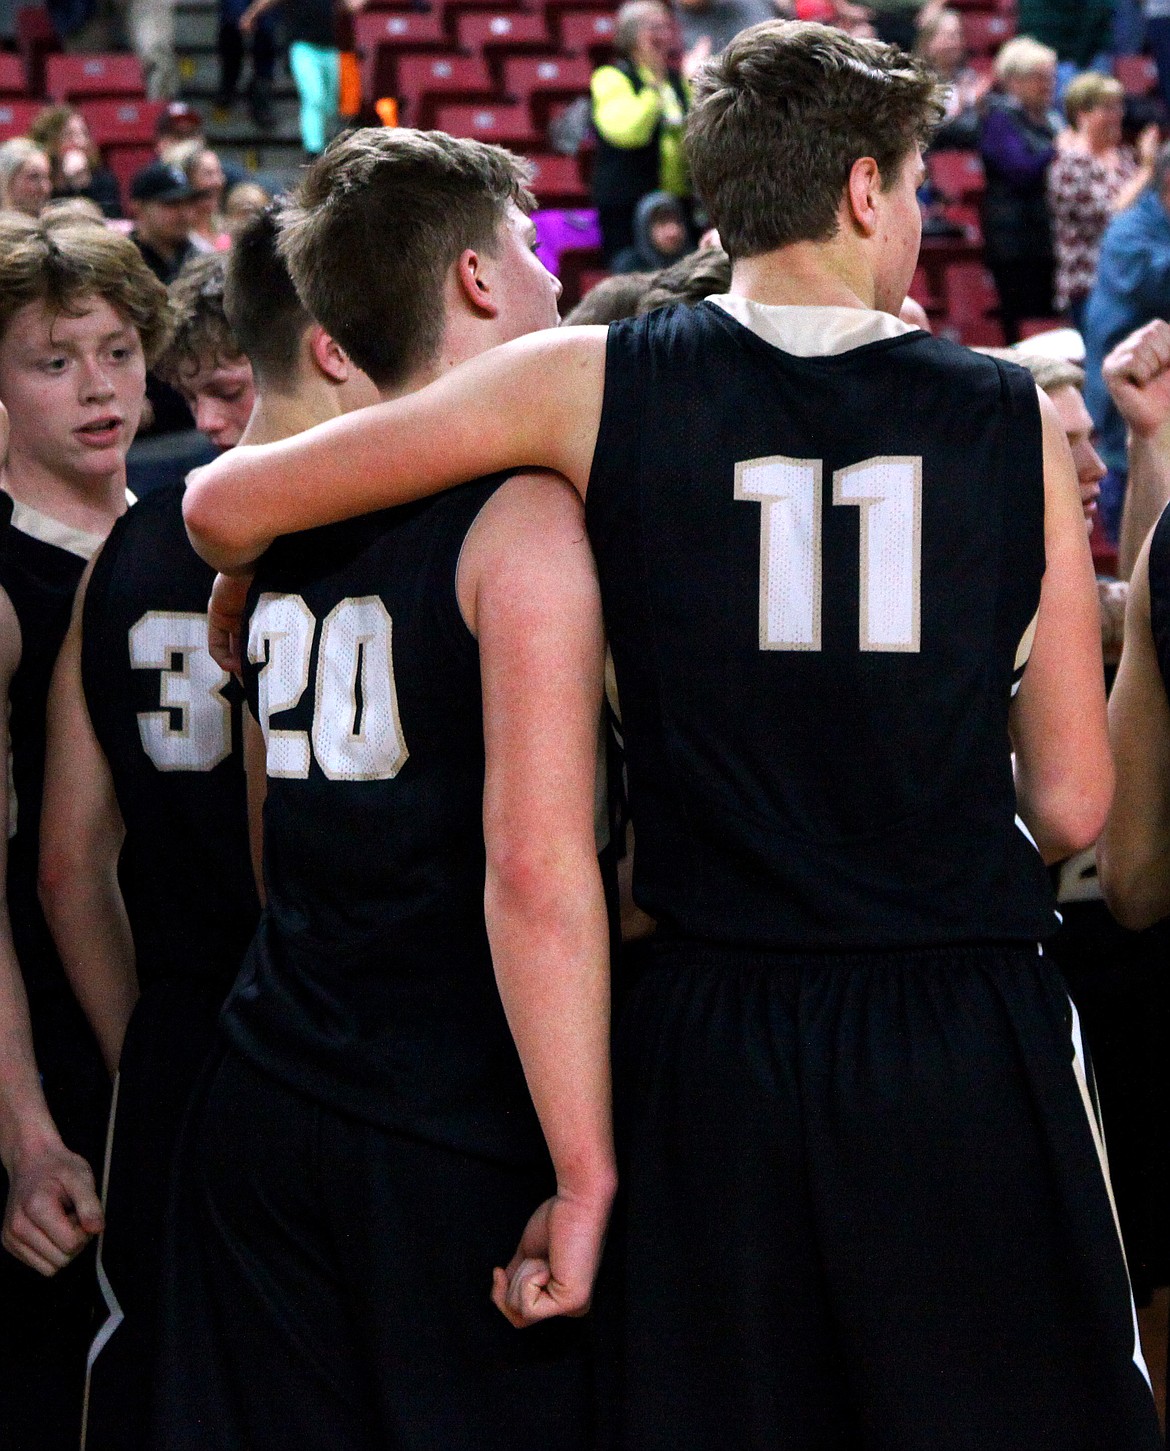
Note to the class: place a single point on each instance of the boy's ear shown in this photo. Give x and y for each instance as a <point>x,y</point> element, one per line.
<point>329,356</point>
<point>473,278</point>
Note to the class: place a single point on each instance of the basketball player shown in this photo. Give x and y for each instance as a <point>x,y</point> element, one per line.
<point>80,315</point>
<point>428,682</point>
<point>864,1199</point>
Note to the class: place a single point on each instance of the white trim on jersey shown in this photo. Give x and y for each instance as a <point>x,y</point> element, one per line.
<point>813,332</point>
<point>114,1312</point>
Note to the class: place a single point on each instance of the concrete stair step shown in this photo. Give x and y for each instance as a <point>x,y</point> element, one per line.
<point>199,75</point>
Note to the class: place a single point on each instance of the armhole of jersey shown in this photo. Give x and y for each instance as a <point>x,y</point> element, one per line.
<point>104,563</point>
<point>460,525</point>
<point>1021,517</point>
<point>619,429</point>
<point>1159,573</point>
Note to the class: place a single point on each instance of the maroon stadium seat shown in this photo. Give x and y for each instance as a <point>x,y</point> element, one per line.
<point>499,33</point>
<point>13,81</point>
<point>381,36</point>
<point>16,117</point>
<point>587,32</point>
<point>984,34</point>
<point>506,125</point>
<point>542,79</point>
<point>122,123</point>
<point>126,161</point>
<point>1137,73</point>
<point>71,77</point>
<point>557,179</point>
<point>957,175</point>
<point>35,40</point>
<point>421,79</point>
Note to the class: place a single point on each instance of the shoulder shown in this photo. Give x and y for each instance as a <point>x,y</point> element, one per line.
<point>527,509</point>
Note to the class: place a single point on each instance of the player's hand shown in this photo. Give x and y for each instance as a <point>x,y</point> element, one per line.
<point>553,1270</point>
<point>1137,374</point>
<point>225,621</point>
<point>53,1210</point>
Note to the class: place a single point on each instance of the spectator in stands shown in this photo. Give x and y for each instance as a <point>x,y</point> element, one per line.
<point>314,59</point>
<point>661,235</point>
<point>940,44</point>
<point>710,24</point>
<point>203,360</point>
<point>1092,177</point>
<point>639,109</point>
<point>147,26</point>
<point>76,162</point>
<point>25,177</point>
<point>230,44</point>
<point>1132,288</point>
<point>160,202</point>
<point>179,122</point>
<point>203,171</point>
<point>245,200</point>
<point>1017,139</point>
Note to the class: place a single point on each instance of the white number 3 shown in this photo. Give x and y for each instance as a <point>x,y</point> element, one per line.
<point>888,492</point>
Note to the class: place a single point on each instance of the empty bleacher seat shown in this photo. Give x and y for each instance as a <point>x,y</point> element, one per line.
<point>16,117</point>
<point>1137,73</point>
<point>983,34</point>
<point>13,81</point>
<point>421,79</point>
<point>126,161</point>
<point>957,175</point>
<point>500,33</point>
<point>557,179</point>
<point>587,32</point>
<point>542,79</point>
<point>122,123</point>
<point>506,125</point>
<point>35,40</point>
<point>381,36</point>
<point>71,77</point>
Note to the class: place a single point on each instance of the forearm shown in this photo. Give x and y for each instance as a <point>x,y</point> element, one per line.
<point>1147,494</point>
<point>25,1119</point>
<point>549,941</point>
<point>87,917</point>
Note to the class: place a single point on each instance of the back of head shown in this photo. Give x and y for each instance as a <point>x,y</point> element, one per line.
<point>201,335</point>
<point>262,306</point>
<point>613,299</point>
<point>376,224</point>
<point>63,262</point>
<point>690,280</point>
<point>781,116</point>
<point>1048,374</point>
<point>48,126</point>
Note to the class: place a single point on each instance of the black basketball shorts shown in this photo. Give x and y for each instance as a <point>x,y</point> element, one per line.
<point>864,1204</point>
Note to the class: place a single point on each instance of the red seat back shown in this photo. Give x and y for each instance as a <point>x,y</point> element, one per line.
<point>485,30</point>
<point>558,179</point>
<point>420,78</point>
<point>380,36</point>
<point>70,76</point>
<point>1137,73</point>
<point>122,123</point>
<point>16,117</point>
<point>506,125</point>
<point>958,175</point>
<point>546,75</point>
<point>984,34</point>
<point>13,81</point>
<point>587,32</point>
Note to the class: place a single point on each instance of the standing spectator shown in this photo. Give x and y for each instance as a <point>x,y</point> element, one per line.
<point>25,177</point>
<point>639,108</point>
<point>230,44</point>
<point>1017,141</point>
<point>146,26</point>
<point>62,133</point>
<point>940,44</point>
<point>314,59</point>
<point>1093,177</point>
<point>1132,288</point>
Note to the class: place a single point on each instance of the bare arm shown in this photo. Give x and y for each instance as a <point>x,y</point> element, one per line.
<point>1064,774</point>
<point>535,402</point>
<point>52,1209</point>
<point>256,775</point>
<point>81,836</point>
<point>1133,854</point>
<point>535,608</point>
<point>1137,373</point>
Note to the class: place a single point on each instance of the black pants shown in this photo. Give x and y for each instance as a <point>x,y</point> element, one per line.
<point>46,1325</point>
<point>863,1207</point>
<point>330,1290</point>
<point>1025,290</point>
<point>169,1036</point>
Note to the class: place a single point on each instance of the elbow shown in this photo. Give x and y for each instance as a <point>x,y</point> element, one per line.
<point>1136,889</point>
<point>1072,820</point>
<point>214,527</point>
<point>534,886</point>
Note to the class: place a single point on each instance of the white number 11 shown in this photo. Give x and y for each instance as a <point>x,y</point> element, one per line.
<point>888,491</point>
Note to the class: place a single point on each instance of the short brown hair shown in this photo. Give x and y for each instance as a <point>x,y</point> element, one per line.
<point>690,280</point>
<point>781,116</point>
<point>1048,374</point>
<point>201,335</point>
<point>1087,92</point>
<point>374,226</point>
<point>261,303</point>
<point>62,261</point>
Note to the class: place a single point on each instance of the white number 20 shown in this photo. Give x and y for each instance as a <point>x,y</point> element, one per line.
<point>356,734</point>
<point>888,492</point>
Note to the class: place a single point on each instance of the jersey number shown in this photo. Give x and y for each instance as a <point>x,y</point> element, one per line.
<point>356,733</point>
<point>888,492</point>
<point>190,690</point>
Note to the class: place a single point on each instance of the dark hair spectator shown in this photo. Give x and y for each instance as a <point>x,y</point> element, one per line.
<point>1017,140</point>
<point>61,131</point>
<point>1092,177</point>
<point>639,109</point>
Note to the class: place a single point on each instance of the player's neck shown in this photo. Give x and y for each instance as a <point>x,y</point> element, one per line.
<point>277,416</point>
<point>805,274</point>
<point>90,504</point>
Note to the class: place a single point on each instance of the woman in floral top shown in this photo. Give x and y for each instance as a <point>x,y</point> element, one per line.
<point>1092,177</point>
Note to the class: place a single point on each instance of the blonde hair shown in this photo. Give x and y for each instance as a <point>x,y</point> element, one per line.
<point>14,155</point>
<point>1087,92</point>
<point>1022,56</point>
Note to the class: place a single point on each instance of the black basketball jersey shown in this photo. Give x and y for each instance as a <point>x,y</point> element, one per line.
<point>40,565</point>
<point>1159,565</point>
<point>816,574</point>
<point>168,721</point>
<point>370,986</point>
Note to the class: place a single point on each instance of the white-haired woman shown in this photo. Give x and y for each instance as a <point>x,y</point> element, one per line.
<point>26,177</point>
<point>1017,140</point>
